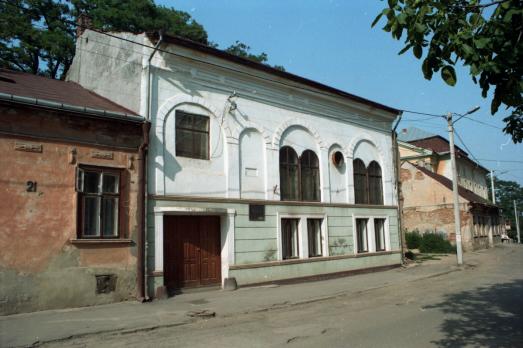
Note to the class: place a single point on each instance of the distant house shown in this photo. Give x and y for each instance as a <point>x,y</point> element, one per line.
<point>254,174</point>
<point>69,191</point>
<point>426,190</point>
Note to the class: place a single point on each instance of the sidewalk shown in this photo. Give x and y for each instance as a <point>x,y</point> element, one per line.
<point>54,325</point>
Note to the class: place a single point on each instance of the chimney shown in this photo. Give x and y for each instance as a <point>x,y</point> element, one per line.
<point>83,22</point>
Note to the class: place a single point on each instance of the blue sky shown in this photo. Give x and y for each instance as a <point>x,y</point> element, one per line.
<point>332,42</point>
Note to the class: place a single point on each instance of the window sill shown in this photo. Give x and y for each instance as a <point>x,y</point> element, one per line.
<point>100,241</point>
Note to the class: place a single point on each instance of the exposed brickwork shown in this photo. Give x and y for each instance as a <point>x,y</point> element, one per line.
<point>41,266</point>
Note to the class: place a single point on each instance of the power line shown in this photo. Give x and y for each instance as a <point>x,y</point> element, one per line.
<point>483,123</point>
<point>465,146</point>
<point>502,161</point>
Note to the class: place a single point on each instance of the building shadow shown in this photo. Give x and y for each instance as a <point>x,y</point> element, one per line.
<point>488,316</point>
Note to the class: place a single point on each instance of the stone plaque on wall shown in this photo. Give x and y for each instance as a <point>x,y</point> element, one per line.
<point>102,155</point>
<point>29,147</point>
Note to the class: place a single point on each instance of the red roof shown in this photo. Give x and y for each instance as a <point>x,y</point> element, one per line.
<point>463,192</point>
<point>437,144</point>
<point>64,92</point>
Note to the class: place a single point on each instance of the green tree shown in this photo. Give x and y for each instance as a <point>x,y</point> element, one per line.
<point>35,37</point>
<point>242,50</point>
<point>506,193</point>
<point>484,36</point>
<point>38,36</point>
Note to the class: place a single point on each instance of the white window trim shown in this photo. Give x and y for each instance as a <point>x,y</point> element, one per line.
<point>371,236</point>
<point>303,237</point>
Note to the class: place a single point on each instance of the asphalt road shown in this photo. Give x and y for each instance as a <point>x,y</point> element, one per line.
<point>478,306</point>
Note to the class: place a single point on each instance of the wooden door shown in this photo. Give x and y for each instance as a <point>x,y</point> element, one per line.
<point>191,251</point>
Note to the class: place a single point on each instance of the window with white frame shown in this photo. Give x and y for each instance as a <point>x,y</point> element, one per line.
<point>302,236</point>
<point>362,241</point>
<point>371,234</point>
<point>314,237</point>
<point>290,243</point>
<point>379,234</point>
<point>98,202</point>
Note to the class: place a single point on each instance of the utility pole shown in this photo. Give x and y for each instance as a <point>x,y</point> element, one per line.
<point>492,185</point>
<point>517,221</point>
<point>457,217</point>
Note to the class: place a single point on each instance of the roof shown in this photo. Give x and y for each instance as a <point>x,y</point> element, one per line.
<point>413,133</point>
<point>463,192</point>
<point>154,36</point>
<point>21,84</point>
<point>437,144</point>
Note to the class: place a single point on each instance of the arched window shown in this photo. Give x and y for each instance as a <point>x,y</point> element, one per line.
<point>360,182</point>
<point>368,187</point>
<point>289,172</point>
<point>299,177</point>
<point>310,176</point>
<point>375,184</point>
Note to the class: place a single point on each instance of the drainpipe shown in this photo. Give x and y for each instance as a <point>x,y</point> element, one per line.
<point>142,277</point>
<point>397,168</point>
<point>141,206</point>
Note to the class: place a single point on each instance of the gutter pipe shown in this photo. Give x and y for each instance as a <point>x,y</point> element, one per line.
<point>49,104</point>
<point>141,260</point>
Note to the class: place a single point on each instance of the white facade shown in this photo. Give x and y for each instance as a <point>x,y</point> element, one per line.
<point>244,141</point>
<point>252,115</point>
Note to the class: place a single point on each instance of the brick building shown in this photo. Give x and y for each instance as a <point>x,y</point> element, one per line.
<point>69,207</point>
<point>426,191</point>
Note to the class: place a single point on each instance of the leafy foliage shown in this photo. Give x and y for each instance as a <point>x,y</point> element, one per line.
<point>435,243</point>
<point>506,193</point>
<point>38,36</point>
<point>413,239</point>
<point>486,37</point>
<point>242,50</point>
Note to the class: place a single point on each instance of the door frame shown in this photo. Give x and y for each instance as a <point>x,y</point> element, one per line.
<point>227,221</point>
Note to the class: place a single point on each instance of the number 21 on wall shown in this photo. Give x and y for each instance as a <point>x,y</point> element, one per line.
<point>30,186</point>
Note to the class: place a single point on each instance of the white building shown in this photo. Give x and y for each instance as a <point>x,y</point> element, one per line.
<point>254,173</point>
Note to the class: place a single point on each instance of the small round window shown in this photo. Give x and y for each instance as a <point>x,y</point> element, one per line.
<point>337,159</point>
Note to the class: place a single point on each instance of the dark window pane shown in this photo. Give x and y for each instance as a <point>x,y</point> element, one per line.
<point>110,217</point>
<point>289,229</point>
<point>379,231</point>
<point>110,183</point>
<point>192,135</point>
<point>91,223</point>
<point>361,235</point>
<point>310,178</point>
<point>184,143</point>
<point>360,182</point>
<point>184,120</point>
<point>91,182</point>
<point>201,123</point>
<point>375,184</point>
<point>314,237</point>
<point>201,145</point>
<point>289,184</point>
